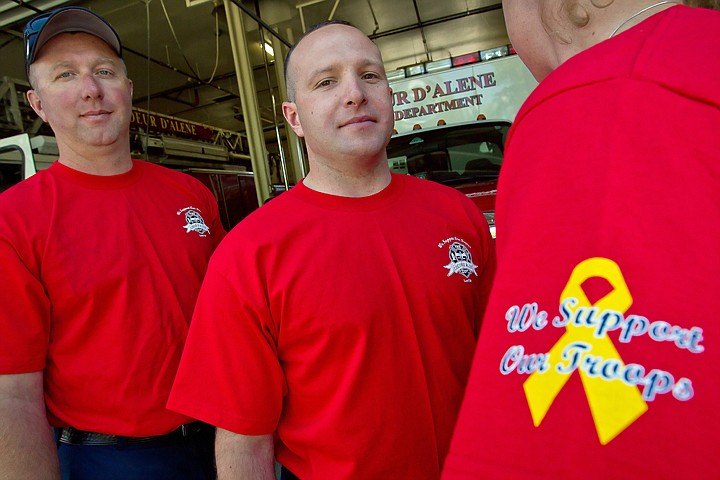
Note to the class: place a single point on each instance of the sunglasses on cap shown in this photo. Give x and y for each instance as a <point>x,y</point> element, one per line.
<point>32,30</point>
<point>45,26</point>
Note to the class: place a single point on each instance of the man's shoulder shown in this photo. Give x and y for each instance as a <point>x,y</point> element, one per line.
<point>271,222</point>
<point>161,174</point>
<point>27,207</point>
<point>165,172</point>
<point>27,192</point>
<point>422,198</point>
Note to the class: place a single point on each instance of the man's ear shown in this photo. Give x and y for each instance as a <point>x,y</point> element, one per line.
<point>36,104</point>
<point>293,119</point>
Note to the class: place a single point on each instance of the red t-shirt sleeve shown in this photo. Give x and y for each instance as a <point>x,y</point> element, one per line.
<point>229,374</point>
<point>25,312</point>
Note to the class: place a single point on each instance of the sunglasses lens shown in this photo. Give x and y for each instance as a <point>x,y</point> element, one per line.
<point>31,34</point>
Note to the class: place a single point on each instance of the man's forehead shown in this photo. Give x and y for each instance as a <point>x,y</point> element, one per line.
<point>320,40</point>
<point>99,60</point>
<point>73,40</point>
<point>324,53</point>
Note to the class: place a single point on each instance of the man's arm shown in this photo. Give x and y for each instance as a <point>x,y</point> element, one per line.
<point>241,457</point>
<point>27,448</point>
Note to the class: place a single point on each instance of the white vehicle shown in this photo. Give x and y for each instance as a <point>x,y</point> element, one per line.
<point>490,84</point>
<point>21,156</point>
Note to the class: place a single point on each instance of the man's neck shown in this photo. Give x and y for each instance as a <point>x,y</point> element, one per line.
<point>607,22</point>
<point>348,183</point>
<point>101,161</point>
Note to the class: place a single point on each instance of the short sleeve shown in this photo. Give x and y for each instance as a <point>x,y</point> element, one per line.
<point>24,312</point>
<point>229,374</point>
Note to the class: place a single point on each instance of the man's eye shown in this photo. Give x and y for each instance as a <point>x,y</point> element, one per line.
<point>64,75</point>
<point>104,72</point>
<point>324,83</point>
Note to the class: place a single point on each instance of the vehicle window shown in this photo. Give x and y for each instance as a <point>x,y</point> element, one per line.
<point>451,153</point>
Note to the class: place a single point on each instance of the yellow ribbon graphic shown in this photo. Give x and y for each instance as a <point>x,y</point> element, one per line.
<point>614,405</point>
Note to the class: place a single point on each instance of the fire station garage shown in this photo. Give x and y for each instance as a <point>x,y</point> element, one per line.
<point>208,87</point>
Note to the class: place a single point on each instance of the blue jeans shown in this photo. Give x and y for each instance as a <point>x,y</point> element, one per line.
<point>190,458</point>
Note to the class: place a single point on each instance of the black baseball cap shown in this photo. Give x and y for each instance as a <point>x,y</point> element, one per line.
<point>45,26</point>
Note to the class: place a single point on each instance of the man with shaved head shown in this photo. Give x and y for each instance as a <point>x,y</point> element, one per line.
<point>336,325</point>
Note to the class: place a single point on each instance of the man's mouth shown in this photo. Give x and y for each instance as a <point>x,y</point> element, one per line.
<point>358,119</point>
<point>95,113</point>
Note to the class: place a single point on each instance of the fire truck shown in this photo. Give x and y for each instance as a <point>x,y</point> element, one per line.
<point>466,156</point>
<point>452,118</point>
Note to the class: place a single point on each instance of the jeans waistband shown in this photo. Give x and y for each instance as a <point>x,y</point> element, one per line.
<point>73,436</point>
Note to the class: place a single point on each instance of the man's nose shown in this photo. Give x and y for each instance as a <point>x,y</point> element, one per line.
<point>355,92</point>
<point>91,87</point>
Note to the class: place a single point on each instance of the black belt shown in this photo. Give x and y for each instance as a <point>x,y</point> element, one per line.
<point>73,436</point>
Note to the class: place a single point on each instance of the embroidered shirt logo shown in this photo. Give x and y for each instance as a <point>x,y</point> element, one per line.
<point>195,221</point>
<point>460,258</point>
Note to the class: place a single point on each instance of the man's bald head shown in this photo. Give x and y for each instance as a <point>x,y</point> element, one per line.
<point>289,80</point>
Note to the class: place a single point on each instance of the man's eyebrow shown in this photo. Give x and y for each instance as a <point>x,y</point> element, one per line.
<point>330,68</point>
<point>107,60</point>
<point>61,64</point>
<point>97,61</point>
<point>320,71</point>
<point>374,63</point>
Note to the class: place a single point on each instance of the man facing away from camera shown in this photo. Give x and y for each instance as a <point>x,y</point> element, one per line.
<point>102,259</point>
<point>599,352</point>
<point>336,325</point>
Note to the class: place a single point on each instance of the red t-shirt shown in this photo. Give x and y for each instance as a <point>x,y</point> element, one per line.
<point>345,325</point>
<point>99,280</point>
<point>598,353</point>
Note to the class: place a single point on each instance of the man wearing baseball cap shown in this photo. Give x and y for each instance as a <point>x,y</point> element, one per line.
<point>99,278</point>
